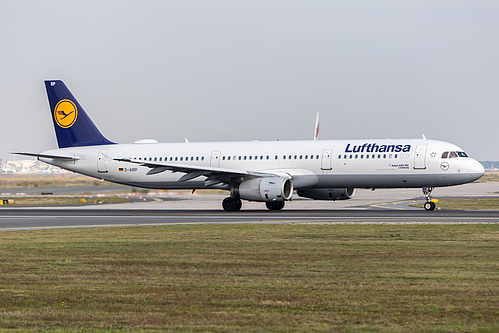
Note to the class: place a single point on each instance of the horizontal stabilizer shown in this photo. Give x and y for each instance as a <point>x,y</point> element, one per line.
<point>57,157</point>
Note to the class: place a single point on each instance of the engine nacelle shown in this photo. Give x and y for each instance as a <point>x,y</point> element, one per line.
<point>328,193</point>
<point>267,189</point>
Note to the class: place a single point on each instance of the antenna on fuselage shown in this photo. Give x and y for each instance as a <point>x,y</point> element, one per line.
<point>316,132</point>
<point>424,137</point>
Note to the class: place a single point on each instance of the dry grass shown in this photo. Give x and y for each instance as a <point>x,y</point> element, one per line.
<point>252,278</point>
<point>13,181</point>
<point>489,177</point>
<point>44,200</point>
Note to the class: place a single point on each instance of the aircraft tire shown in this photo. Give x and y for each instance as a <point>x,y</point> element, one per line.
<point>239,205</point>
<point>429,206</point>
<point>275,205</point>
<point>230,204</point>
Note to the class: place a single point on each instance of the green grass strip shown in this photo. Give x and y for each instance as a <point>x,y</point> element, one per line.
<point>234,278</point>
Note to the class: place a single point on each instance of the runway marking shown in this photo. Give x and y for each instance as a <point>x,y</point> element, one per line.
<point>382,205</point>
<point>242,222</point>
<point>286,217</point>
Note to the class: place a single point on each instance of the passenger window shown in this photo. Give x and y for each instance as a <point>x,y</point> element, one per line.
<point>384,155</point>
<point>284,157</point>
<point>197,158</point>
<point>367,155</point>
<point>361,156</point>
<point>202,158</point>
<point>250,157</point>
<point>181,158</point>
<point>176,159</point>
<point>356,156</point>
<point>301,157</point>
<point>339,157</point>
<point>245,158</point>
<point>268,157</point>
<point>317,156</point>
<point>276,157</point>
<point>223,158</point>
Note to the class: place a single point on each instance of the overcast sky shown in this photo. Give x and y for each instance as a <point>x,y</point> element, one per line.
<point>246,70</point>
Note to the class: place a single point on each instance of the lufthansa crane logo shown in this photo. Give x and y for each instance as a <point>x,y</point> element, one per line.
<point>65,113</point>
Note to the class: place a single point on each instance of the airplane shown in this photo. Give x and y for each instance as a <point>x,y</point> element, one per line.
<point>254,171</point>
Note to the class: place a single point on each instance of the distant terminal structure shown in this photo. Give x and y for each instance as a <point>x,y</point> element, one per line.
<point>491,166</point>
<point>24,166</point>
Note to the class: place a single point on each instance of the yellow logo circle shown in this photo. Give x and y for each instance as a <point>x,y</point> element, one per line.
<point>65,113</point>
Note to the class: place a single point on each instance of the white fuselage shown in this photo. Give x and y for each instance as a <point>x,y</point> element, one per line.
<point>310,164</point>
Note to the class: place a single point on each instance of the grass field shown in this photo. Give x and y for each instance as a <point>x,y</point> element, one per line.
<point>13,181</point>
<point>49,200</point>
<point>489,177</point>
<point>371,278</point>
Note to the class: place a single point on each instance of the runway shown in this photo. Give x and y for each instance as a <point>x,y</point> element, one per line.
<point>31,219</point>
<point>368,207</point>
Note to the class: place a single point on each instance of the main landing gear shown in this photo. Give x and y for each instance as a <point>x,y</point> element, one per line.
<point>275,205</point>
<point>231,204</point>
<point>428,205</point>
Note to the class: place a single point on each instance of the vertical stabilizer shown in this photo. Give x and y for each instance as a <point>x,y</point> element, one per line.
<point>73,127</point>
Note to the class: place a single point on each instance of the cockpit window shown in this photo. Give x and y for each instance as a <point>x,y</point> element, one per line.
<point>453,154</point>
<point>462,154</point>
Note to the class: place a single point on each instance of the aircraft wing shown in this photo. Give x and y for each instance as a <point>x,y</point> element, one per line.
<point>214,175</point>
<point>59,157</point>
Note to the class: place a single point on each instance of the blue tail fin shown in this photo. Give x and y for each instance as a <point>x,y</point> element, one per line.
<point>73,126</point>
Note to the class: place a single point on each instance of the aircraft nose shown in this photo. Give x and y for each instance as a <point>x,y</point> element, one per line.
<point>476,169</point>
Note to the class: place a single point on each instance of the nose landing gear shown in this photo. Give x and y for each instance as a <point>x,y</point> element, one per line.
<point>428,205</point>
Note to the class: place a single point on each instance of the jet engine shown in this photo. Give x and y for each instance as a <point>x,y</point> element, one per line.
<point>327,193</point>
<point>267,189</point>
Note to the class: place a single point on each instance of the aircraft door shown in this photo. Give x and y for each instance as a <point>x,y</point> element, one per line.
<point>102,161</point>
<point>420,157</point>
<point>215,159</point>
<point>326,163</point>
